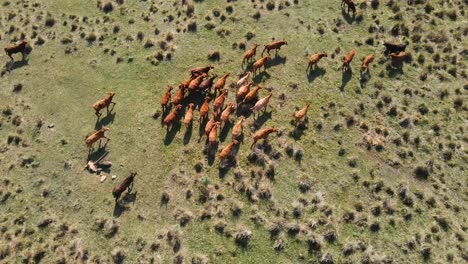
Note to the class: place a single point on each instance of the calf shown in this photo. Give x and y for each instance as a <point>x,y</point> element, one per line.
<point>260,63</point>
<point>347,60</point>
<point>205,107</point>
<point>237,129</point>
<point>199,70</point>
<point>219,101</point>
<point>366,62</point>
<point>179,96</point>
<point>398,58</point>
<point>393,48</point>
<point>262,134</point>
<point>250,54</point>
<point>166,98</point>
<point>227,112</point>
<point>243,80</point>
<point>226,152</point>
<point>94,137</point>
<point>219,84</point>
<point>189,115</point>
<point>301,114</point>
<point>99,105</point>
<point>16,48</point>
<point>126,184</point>
<point>243,91</point>
<point>276,45</point>
<point>196,82</point>
<point>350,4</point>
<point>207,83</point>
<point>172,116</point>
<point>261,104</point>
<point>250,96</point>
<point>314,59</point>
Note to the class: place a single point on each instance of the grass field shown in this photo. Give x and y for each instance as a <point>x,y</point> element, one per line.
<point>313,194</point>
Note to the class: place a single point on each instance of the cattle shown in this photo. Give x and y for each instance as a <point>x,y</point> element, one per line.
<point>276,45</point>
<point>398,57</point>
<point>237,129</point>
<point>250,54</point>
<point>205,107</point>
<point>252,94</point>
<point>227,151</point>
<point>365,63</point>
<point>199,70</point>
<point>301,114</point>
<point>347,60</point>
<point>219,101</point>
<point>179,96</point>
<point>220,83</point>
<point>99,105</point>
<point>243,91</point>
<point>260,63</point>
<point>262,134</point>
<point>17,48</point>
<point>94,137</point>
<point>189,115</point>
<point>213,135</point>
<point>227,113</point>
<point>172,116</point>
<point>186,83</point>
<point>166,98</point>
<point>243,80</point>
<point>350,4</point>
<point>196,82</point>
<point>209,125</point>
<point>126,184</point>
<point>261,104</point>
<point>207,83</point>
<point>314,59</point>
<point>393,48</point>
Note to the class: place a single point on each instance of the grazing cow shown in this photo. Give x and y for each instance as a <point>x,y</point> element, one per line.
<point>300,115</point>
<point>207,83</point>
<point>16,48</point>
<point>237,129</point>
<point>366,62</point>
<point>261,104</point>
<point>213,136</point>
<point>219,84</point>
<point>172,116</point>
<point>314,59</point>
<point>99,105</point>
<point>243,91</point>
<point>250,54</point>
<point>262,134</point>
<point>179,96</point>
<point>196,82</point>
<point>252,94</point>
<point>226,152</point>
<point>219,101</point>
<point>276,45</point>
<point>260,63</point>
<point>393,48</point>
<point>94,137</point>
<point>205,107</point>
<point>166,98</point>
<point>199,70</point>
<point>211,123</point>
<point>243,80</point>
<point>350,4</point>
<point>398,58</point>
<point>189,115</point>
<point>126,184</point>
<point>347,60</point>
<point>227,113</point>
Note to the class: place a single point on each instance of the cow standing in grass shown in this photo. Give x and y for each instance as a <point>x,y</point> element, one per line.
<point>17,48</point>
<point>126,184</point>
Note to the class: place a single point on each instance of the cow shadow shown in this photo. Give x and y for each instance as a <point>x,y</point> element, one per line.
<point>108,119</point>
<point>225,131</point>
<point>299,129</point>
<point>395,70</point>
<point>244,109</point>
<point>261,119</point>
<point>260,76</point>
<point>122,205</point>
<point>345,78</point>
<point>315,73</point>
<point>98,152</point>
<point>188,134</point>
<point>210,152</point>
<point>364,78</point>
<point>13,65</point>
<point>349,19</point>
<point>277,60</point>
<point>171,133</point>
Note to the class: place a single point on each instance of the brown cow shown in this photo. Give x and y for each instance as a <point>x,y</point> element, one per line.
<point>314,59</point>
<point>199,70</point>
<point>127,183</point>
<point>365,63</point>
<point>219,84</point>
<point>237,129</point>
<point>186,83</point>
<point>213,136</point>
<point>261,104</point>
<point>243,91</point>
<point>300,115</point>
<point>262,134</point>
<point>276,45</point>
<point>172,116</point>
<point>226,152</point>
<point>196,82</point>
<point>166,98</point>
<point>207,83</point>
<point>219,101</point>
<point>252,94</point>
<point>179,96</point>
<point>189,115</point>
<point>205,107</point>
<point>250,54</point>
<point>397,58</point>
<point>211,123</point>
<point>347,60</point>
<point>227,113</point>
<point>260,63</point>
<point>94,137</point>
<point>350,4</point>
<point>17,48</point>
<point>99,105</point>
